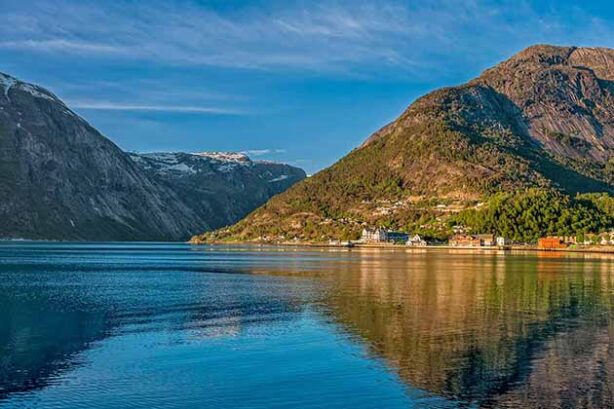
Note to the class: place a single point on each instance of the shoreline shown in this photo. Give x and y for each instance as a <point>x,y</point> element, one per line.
<point>386,246</point>
<point>356,246</point>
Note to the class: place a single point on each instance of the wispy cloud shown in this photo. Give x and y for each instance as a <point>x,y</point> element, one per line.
<point>187,33</point>
<point>107,106</point>
<point>339,36</point>
<point>262,152</point>
<point>62,45</point>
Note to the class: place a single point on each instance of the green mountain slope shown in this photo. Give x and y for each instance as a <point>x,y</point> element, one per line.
<point>543,119</point>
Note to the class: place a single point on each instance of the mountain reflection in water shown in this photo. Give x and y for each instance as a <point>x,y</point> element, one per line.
<point>156,325</point>
<point>492,329</point>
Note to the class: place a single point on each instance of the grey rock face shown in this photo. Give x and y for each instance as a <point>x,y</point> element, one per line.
<point>554,106</point>
<point>566,97</point>
<point>61,179</point>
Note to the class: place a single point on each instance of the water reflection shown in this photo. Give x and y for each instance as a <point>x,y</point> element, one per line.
<point>59,300</point>
<point>242,326</point>
<point>489,329</point>
<point>33,348</point>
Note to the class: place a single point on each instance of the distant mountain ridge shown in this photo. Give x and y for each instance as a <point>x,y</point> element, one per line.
<point>541,119</point>
<point>61,179</point>
<point>220,187</point>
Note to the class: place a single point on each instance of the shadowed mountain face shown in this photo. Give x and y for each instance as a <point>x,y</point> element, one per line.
<point>542,119</point>
<point>62,179</point>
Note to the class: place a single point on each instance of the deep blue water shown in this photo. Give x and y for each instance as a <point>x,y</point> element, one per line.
<point>171,325</point>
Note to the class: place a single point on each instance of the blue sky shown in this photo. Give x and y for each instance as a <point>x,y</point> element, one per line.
<point>296,81</point>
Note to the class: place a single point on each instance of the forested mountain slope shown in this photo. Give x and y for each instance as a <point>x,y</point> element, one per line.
<point>544,119</point>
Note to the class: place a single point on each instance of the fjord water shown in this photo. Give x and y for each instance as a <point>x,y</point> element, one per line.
<point>114,325</point>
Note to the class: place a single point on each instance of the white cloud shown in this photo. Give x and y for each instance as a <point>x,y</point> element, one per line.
<point>109,106</point>
<point>261,152</point>
<point>342,36</point>
<point>62,45</point>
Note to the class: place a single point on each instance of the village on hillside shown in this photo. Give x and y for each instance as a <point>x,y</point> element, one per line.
<point>382,236</point>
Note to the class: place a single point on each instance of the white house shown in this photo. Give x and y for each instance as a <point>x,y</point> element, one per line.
<point>486,240</point>
<point>374,236</point>
<point>607,239</point>
<point>503,241</point>
<point>416,241</point>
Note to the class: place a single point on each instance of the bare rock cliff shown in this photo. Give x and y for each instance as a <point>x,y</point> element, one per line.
<point>61,179</point>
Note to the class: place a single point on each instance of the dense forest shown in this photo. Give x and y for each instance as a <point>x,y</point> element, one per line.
<point>527,215</point>
<point>523,216</point>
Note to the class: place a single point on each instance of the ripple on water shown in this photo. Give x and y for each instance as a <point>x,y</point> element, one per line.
<point>163,325</point>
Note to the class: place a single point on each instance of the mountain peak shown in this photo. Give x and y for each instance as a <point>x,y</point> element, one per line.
<point>10,84</point>
<point>544,53</point>
<point>542,119</point>
<point>65,180</point>
<point>6,79</point>
<point>543,56</point>
<point>7,82</point>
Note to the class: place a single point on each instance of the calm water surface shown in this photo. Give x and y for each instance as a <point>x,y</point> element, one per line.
<point>174,326</point>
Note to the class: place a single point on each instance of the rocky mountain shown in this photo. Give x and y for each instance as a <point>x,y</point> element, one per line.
<point>220,187</point>
<point>61,179</point>
<point>542,119</point>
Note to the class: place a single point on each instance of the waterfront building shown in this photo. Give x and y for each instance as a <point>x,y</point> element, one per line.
<point>503,241</point>
<point>478,240</point>
<point>416,241</point>
<point>551,242</point>
<point>464,240</point>
<point>380,235</point>
<point>374,235</point>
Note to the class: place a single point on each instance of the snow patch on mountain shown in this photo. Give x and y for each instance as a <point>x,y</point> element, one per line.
<point>227,167</point>
<point>167,157</point>
<point>188,163</point>
<point>180,167</point>
<point>279,178</point>
<point>35,91</point>
<point>268,162</point>
<point>163,162</point>
<point>181,164</point>
<point>224,156</point>
<point>7,82</point>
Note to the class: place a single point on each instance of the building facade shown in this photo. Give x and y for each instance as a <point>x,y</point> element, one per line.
<point>551,243</point>
<point>466,240</point>
<point>416,241</point>
<point>486,240</point>
<point>374,236</point>
<point>380,235</point>
<point>503,241</point>
<point>397,237</point>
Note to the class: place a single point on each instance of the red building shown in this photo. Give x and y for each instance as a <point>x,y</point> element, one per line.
<point>551,243</point>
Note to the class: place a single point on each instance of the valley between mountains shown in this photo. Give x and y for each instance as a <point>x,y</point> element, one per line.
<point>61,179</point>
<point>523,150</point>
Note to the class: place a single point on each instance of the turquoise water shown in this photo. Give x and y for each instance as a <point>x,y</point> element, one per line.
<point>172,325</point>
